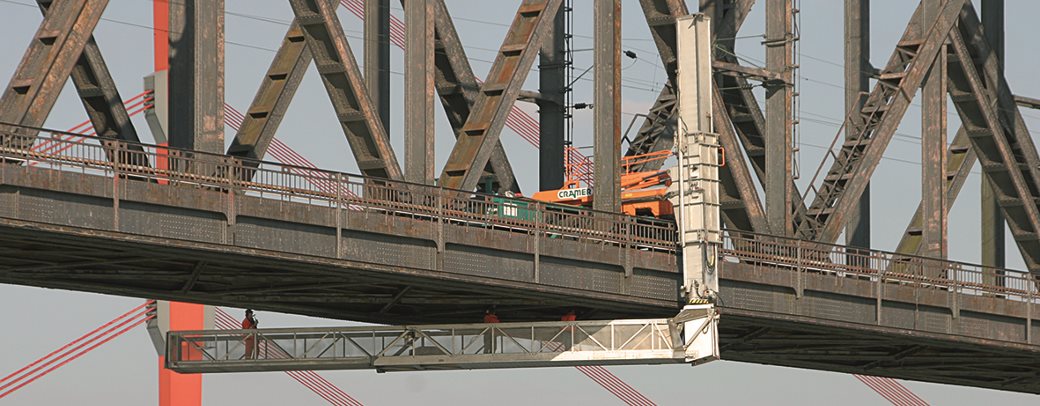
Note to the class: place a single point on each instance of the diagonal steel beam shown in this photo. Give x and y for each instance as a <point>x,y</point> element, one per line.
<point>960,158</point>
<point>1005,150</point>
<point>48,61</point>
<point>457,88</point>
<point>873,126</point>
<point>739,202</point>
<point>98,91</point>
<point>339,71</point>
<point>272,99</point>
<point>481,132</point>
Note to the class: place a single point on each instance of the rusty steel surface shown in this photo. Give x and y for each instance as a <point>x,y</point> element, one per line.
<point>857,85</point>
<point>196,75</point>
<point>97,91</point>
<point>606,97</point>
<point>324,36</point>
<point>48,61</point>
<point>1001,140</point>
<point>843,180</point>
<point>377,57</point>
<point>419,125</point>
<point>779,123</point>
<point>457,88</point>
<point>480,134</point>
<point>273,97</point>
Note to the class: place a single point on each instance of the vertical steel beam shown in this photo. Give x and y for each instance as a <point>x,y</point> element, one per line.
<point>458,89</point>
<point>418,92</point>
<point>197,75</point>
<point>933,149</point>
<point>779,120</point>
<point>857,85</point>
<point>992,218</point>
<point>377,57</point>
<point>552,83</point>
<point>273,97</point>
<point>480,134</point>
<point>345,86</point>
<point>607,100</point>
<point>48,61</point>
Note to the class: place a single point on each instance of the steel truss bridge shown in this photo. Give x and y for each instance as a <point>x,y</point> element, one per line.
<point>193,222</point>
<point>329,244</point>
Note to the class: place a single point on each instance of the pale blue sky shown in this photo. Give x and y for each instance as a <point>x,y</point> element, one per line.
<point>123,372</point>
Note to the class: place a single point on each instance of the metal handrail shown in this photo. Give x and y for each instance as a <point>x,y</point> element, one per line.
<point>308,185</point>
<point>891,267</point>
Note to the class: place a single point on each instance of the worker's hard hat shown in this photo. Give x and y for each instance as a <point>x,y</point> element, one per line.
<point>249,311</point>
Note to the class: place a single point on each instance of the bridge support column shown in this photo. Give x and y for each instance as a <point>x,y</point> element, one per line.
<point>177,389</point>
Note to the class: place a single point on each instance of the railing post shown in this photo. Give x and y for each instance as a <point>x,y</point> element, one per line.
<point>339,215</point>
<point>799,290</point>
<point>878,291</point>
<point>628,248</point>
<point>115,148</point>
<point>1030,298</point>
<point>231,213</point>
<point>440,229</point>
<point>539,218</point>
<point>955,289</point>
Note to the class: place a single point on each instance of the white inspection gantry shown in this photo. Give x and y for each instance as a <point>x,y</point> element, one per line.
<point>689,337</point>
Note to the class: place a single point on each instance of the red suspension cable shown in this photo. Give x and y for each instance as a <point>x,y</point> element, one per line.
<point>72,351</point>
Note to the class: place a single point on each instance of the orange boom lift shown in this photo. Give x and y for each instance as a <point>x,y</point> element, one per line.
<point>642,193</point>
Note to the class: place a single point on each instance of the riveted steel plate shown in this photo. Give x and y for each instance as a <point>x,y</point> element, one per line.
<point>284,236</point>
<point>581,275</point>
<point>389,250</point>
<point>490,263</point>
<point>172,222</point>
<point>650,284</point>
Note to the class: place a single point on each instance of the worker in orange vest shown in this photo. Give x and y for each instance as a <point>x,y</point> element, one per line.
<point>250,323</point>
<point>489,338</point>
<point>490,316</point>
<point>569,330</point>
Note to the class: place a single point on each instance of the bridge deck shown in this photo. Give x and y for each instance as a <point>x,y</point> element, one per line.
<point>321,243</point>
